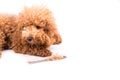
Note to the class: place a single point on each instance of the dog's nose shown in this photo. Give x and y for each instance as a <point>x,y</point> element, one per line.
<point>29,38</point>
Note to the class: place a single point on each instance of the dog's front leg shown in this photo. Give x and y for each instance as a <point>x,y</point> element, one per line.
<point>44,53</point>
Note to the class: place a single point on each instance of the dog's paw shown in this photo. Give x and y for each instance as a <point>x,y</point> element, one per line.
<point>45,53</point>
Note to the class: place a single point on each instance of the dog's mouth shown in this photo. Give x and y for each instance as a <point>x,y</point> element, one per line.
<point>34,41</point>
<point>43,41</point>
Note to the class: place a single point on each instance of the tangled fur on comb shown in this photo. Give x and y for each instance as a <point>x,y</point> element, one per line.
<point>36,32</point>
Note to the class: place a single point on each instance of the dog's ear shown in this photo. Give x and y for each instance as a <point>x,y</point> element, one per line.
<point>57,37</point>
<point>53,33</point>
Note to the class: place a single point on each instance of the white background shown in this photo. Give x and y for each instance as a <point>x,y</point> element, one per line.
<point>91,40</point>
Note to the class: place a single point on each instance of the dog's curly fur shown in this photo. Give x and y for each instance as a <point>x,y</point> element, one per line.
<point>7,28</point>
<point>36,32</point>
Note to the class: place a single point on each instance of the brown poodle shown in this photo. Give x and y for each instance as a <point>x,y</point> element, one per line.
<point>36,32</point>
<point>7,28</point>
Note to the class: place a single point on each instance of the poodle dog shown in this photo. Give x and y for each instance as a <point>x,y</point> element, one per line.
<point>7,28</point>
<point>36,32</point>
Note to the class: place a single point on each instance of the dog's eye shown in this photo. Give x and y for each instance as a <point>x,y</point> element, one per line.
<point>38,27</point>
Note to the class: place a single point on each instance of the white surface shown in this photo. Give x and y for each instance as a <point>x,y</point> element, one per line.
<point>91,39</point>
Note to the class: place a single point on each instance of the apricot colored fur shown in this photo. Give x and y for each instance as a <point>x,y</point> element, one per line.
<point>7,28</point>
<point>36,32</point>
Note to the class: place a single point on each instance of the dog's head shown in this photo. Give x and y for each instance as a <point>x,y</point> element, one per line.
<point>36,26</point>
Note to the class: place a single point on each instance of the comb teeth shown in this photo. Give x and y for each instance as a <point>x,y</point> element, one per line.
<point>32,62</point>
<point>51,58</point>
